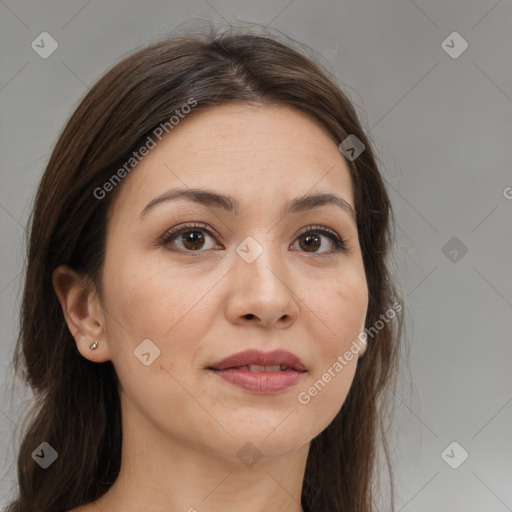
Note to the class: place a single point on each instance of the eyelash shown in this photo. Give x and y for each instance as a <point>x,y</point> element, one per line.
<point>339,243</point>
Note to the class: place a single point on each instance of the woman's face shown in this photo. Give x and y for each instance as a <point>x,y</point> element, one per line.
<point>253,278</point>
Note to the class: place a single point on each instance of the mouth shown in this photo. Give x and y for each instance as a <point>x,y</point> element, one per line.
<point>261,372</point>
<point>257,361</point>
<point>261,381</point>
<point>258,368</point>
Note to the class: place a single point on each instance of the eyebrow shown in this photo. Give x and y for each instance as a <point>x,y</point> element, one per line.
<point>228,203</point>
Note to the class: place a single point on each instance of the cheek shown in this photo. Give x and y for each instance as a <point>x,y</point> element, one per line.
<point>148,302</point>
<point>150,305</point>
<point>167,308</point>
<point>352,304</point>
<point>339,310</point>
<point>320,401</point>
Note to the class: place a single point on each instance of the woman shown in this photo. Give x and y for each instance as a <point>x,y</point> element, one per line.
<point>208,319</point>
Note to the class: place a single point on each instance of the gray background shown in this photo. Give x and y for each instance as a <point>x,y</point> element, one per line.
<point>440,126</point>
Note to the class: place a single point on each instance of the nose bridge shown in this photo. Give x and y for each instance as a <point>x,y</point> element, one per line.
<point>261,289</point>
<point>259,251</point>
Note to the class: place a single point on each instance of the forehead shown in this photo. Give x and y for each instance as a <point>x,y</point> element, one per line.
<point>258,154</point>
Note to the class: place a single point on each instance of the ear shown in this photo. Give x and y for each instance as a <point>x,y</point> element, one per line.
<point>83,312</point>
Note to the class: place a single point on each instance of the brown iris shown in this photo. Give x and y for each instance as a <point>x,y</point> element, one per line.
<point>192,240</point>
<point>310,240</point>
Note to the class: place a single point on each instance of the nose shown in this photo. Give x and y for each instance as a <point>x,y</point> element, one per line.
<point>262,291</point>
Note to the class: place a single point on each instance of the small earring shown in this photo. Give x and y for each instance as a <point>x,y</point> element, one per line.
<point>94,345</point>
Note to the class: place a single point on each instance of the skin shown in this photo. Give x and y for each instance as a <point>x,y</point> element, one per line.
<point>182,424</point>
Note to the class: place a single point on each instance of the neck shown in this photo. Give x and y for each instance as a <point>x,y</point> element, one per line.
<point>164,474</point>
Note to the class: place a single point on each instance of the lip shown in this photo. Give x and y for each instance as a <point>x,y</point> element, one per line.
<point>261,382</point>
<point>253,356</point>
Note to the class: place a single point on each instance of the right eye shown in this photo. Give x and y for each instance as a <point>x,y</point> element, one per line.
<point>190,236</point>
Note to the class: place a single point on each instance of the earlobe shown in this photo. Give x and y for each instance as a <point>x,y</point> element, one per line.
<point>82,312</point>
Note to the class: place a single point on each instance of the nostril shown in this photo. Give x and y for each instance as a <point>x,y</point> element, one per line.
<point>249,316</point>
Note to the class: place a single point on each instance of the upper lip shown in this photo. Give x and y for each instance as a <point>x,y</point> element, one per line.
<point>281,357</point>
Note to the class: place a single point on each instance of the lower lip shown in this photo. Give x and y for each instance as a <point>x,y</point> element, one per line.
<point>261,382</point>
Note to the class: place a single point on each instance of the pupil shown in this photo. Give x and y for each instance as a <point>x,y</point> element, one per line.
<point>194,237</point>
<point>310,239</point>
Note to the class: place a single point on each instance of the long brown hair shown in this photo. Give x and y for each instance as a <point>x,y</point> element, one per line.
<point>77,408</point>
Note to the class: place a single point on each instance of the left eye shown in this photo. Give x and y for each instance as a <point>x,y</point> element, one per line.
<point>311,238</point>
<point>192,238</point>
